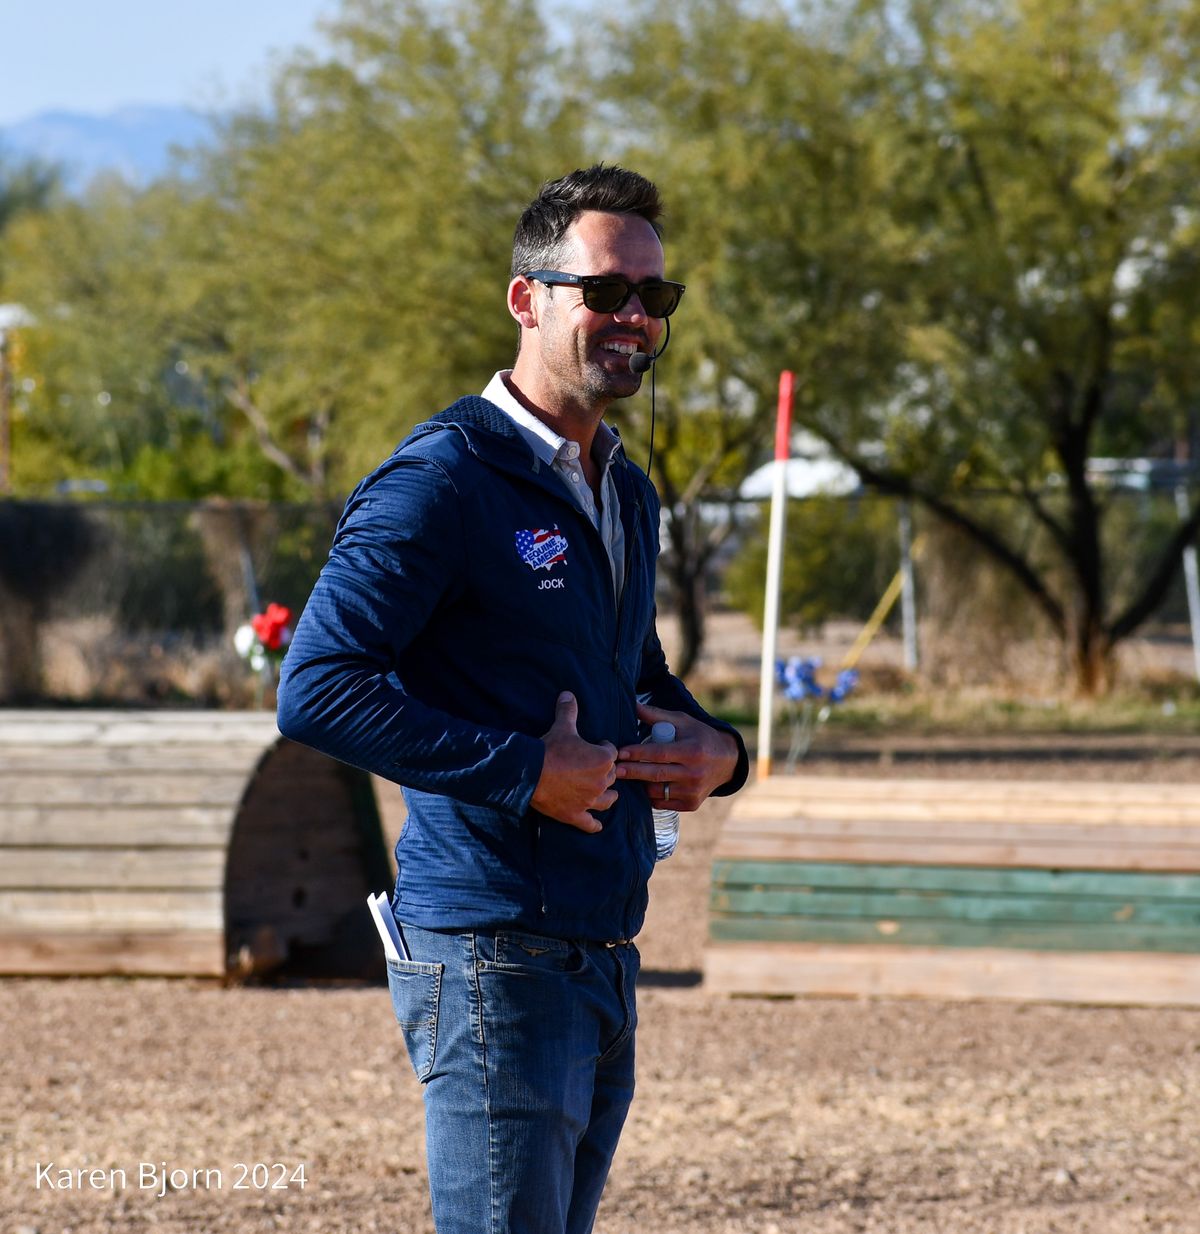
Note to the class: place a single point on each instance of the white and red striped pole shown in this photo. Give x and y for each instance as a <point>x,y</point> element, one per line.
<point>766,692</point>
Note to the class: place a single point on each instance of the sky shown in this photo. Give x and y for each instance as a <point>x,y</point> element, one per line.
<point>94,56</point>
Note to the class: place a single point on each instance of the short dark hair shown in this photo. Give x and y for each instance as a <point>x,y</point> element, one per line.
<point>539,241</point>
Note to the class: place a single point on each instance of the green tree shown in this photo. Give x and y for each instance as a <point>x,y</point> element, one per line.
<point>110,389</point>
<point>328,272</point>
<point>967,226</point>
<point>351,246</point>
<point>1042,159</point>
<point>750,120</point>
<point>25,185</point>
<point>839,556</point>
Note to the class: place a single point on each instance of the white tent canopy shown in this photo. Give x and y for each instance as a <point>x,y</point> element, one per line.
<point>804,477</point>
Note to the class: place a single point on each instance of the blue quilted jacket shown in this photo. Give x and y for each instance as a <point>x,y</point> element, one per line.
<point>463,592</point>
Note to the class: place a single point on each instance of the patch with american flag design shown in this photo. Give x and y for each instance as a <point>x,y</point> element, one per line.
<point>540,548</point>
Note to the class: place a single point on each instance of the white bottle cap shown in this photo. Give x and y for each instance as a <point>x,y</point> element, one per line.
<point>662,732</point>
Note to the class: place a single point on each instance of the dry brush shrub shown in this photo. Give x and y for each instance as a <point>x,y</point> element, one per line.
<point>230,532</point>
<point>136,603</point>
<point>44,547</point>
<point>978,625</point>
<point>92,660</point>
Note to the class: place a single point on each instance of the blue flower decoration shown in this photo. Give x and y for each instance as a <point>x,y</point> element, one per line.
<point>847,679</point>
<point>798,677</point>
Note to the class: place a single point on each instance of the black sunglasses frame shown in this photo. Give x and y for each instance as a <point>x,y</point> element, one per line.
<point>590,285</point>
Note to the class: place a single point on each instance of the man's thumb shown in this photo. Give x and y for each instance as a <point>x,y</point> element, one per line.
<point>566,712</point>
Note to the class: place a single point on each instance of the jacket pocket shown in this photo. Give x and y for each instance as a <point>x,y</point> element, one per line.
<point>416,990</point>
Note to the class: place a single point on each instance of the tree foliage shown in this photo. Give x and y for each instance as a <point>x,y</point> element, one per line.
<point>1042,160</point>
<point>749,121</point>
<point>839,556</point>
<point>26,185</point>
<point>967,226</point>
<point>316,281</point>
<point>97,275</point>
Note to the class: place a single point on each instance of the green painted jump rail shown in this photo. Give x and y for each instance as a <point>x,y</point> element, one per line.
<point>963,889</point>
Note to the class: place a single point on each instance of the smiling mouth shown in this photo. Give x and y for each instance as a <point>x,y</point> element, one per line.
<point>622,349</point>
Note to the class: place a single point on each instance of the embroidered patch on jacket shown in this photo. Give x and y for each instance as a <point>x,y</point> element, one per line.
<point>540,548</point>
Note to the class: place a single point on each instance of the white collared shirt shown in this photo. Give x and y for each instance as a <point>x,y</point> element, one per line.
<point>562,457</point>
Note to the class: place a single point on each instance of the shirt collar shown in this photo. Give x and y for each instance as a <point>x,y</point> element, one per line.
<point>542,439</point>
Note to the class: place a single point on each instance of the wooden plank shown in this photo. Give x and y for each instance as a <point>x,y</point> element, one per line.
<point>911,788</point>
<point>195,786</point>
<point>139,728</point>
<point>983,809</point>
<point>95,909</point>
<point>192,953</point>
<point>1022,832</point>
<point>152,758</point>
<point>200,788</point>
<point>941,906</point>
<point>115,826</point>
<point>1113,978</point>
<point>140,826</point>
<point>1003,881</point>
<point>1037,936</point>
<point>966,851</point>
<point>144,868</point>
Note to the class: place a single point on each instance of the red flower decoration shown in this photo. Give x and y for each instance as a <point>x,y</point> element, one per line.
<point>272,625</point>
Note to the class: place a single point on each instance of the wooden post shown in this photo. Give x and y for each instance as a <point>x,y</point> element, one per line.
<point>766,694</point>
<point>908,591</point>
<point>12,316</point>
<point>1191,578</point>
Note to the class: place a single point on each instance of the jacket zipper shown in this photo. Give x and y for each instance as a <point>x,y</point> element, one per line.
<point>618,611</point>
<point>537,870</point>
<point>633,542</point>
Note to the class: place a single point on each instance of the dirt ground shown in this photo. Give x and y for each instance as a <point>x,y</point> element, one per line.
<point>820,1116</point>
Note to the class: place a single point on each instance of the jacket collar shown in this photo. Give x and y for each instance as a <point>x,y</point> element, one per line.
<point>493,437</point>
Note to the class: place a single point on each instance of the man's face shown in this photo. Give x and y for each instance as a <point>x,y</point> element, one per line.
<point>581,351</point>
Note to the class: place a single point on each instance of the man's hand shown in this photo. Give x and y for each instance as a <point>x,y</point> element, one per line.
<point>576,775</point>
<point>699,760</point>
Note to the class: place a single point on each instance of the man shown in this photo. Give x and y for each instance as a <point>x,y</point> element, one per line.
<point>483,634</point>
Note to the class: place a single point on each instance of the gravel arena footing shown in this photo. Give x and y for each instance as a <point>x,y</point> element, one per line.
<point>176,1105</point>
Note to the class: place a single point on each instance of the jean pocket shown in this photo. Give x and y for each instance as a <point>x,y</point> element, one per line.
<point>516,952</point>
<point>416,991</point>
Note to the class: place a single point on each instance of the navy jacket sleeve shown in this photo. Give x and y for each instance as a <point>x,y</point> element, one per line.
<point>659,687</point>
<point>396,557</point>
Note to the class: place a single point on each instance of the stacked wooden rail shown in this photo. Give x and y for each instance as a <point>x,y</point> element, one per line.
<point>1057,891</point>
<point>180,843</point>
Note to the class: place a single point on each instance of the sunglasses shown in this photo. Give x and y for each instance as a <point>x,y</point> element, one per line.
<point>607,293</point>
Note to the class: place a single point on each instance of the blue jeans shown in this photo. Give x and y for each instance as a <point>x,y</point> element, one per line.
<point>525,1048</point>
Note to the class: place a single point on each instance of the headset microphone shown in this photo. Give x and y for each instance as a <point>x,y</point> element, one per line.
<point>641,361</point>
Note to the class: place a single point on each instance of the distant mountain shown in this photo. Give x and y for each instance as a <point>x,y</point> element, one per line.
<point>132,141</point>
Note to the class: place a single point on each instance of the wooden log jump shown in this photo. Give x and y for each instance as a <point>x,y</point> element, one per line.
<point>195,843</point>
<point>1042,891</point>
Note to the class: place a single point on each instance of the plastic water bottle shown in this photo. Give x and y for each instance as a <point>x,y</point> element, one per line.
<point>666,821</point>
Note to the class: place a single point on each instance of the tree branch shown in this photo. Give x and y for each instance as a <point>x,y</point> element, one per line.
<point>903,486</point>
<point>318,431</point>
<point>239,396</point>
